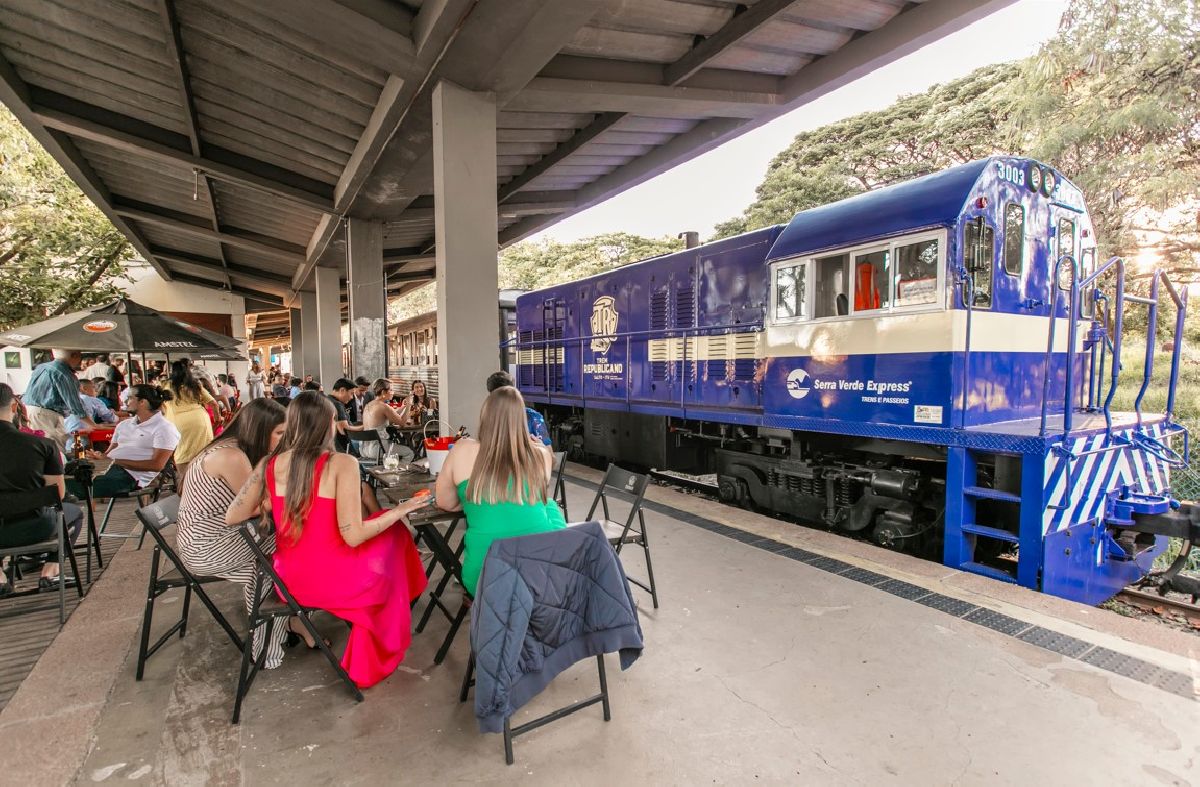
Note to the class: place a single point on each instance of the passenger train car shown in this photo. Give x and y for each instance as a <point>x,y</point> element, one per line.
<point>928,364</point>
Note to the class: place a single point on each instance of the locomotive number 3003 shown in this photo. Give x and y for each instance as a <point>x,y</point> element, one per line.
<point>1010,173</point>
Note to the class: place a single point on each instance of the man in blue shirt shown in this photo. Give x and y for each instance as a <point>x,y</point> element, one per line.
<point>53,394</point>
<point>96,409</point>
<point>535,422</point>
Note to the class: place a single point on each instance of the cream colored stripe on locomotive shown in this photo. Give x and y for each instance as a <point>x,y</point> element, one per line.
<point>930,332</point>
<point>538,357</point>
<point>726,347</point>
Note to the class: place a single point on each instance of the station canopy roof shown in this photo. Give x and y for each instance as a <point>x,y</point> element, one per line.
<point>226,138</point>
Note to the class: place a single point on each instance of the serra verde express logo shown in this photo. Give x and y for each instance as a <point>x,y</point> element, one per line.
<point>798,384</point>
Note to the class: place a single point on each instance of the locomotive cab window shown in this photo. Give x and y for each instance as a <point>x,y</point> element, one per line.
<point>1066,238</point>
<point>831,286</point>
<point>917,273</point>
<point>1014,238</point>
<point>978,254</point>
<point>872,285</point>
<point>790,292</point>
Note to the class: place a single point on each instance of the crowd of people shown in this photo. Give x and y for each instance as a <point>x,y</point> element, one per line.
<point>283,461</point>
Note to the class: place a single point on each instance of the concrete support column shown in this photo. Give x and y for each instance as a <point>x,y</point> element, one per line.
<point>368,298</point>
<point>329,327</point>
<point>311,361</point>
<point>464,204</point>
<point>296,328</point>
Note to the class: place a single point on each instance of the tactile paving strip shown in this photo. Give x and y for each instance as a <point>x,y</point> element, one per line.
<point>997,621</point>
<point>1053,641</point>
<point>951,606</point>
<point>1131,667</point>
<point>832,565</point>
<point>864,576</point>
<point>898,587</point>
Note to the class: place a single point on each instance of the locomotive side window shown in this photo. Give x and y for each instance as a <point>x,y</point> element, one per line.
<point>831,286</point>
<point>790,292</point>
<point>1014,238</point>
<point>979,255</point>
<point>1066,238</point>
<point>917,273</point>
<point>872,286</point>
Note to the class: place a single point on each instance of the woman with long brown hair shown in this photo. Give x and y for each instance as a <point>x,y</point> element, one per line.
<point>500,481</point>
<point>207,545</point>
<point>363,571</point>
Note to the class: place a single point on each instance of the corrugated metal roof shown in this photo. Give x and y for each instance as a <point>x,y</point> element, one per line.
<point>218,134</point>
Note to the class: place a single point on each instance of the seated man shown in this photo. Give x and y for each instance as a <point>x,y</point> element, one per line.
<point>141,446</point>
<point>28,463</point>
<point>96,410</point>
<point>535,421</point>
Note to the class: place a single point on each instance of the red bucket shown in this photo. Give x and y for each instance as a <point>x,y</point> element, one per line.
<point>437,449</point>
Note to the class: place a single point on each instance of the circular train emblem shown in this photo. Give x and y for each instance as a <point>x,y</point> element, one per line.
<point>798,384</point>
<point>99,326</point>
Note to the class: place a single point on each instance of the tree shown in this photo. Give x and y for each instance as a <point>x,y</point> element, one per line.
<point>1114,102</point>
<point>58,252</point>
<point>948,124</point>
<point>534,264</point>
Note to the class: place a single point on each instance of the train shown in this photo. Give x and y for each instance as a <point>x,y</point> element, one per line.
<point>930,365</point>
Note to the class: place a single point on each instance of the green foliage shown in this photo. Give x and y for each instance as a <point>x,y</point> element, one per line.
<point>949,124</point>
<point>58,252</point>
<point>1114,102</point>
<point>534,264</point>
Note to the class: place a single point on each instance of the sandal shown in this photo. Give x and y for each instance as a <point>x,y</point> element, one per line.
<point>294,638</point>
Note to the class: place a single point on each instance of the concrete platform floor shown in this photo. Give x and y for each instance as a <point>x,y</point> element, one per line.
<point>758,668</point>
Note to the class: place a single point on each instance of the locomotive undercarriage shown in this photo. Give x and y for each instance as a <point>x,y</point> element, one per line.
<point>891,492</point>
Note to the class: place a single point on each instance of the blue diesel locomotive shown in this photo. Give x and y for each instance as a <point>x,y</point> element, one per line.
<point>930,364</point>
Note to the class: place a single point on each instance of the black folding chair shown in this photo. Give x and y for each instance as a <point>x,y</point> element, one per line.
<point>46,497</point>
<point>634,484</point>
<point>560,484</point>
<point>166,481</point>
<point>269,612</point>
<point>156,517</point>
<point>511,732</point>
<point>364,438</point>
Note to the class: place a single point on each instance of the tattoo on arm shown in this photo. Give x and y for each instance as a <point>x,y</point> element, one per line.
<point>251,483</point>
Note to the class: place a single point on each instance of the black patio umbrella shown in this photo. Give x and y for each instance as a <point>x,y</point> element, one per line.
<point>121,326</point>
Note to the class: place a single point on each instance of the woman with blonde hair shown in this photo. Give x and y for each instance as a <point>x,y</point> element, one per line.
<point>500,481</point>
<point>364,571</point>
<point>377,415</point>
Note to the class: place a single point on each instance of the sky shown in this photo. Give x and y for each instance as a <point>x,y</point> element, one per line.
<point>720,184</point>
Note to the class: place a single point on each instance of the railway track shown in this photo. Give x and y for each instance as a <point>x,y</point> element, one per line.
<point>685,482</point>
<point>1152,602</point>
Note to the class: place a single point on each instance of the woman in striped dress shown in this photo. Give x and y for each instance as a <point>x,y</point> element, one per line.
<point>207,546</point>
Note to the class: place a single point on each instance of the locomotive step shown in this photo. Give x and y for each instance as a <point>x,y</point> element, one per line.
<point>988,571</point>
<point>990,532</point>
<point>991,494</point>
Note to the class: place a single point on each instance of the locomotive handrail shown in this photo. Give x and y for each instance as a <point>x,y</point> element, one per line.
<point>1046,365</point>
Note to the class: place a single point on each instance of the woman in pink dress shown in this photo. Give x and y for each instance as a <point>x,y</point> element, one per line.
<point>364,571</point>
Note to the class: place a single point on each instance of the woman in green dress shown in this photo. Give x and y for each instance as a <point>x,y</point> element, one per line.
<point>500,481</point>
